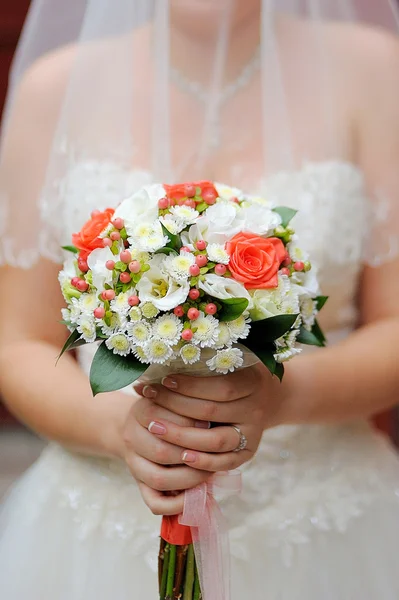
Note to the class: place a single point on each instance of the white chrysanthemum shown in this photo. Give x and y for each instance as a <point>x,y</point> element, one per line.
<point>140,332</point>
<point>88,303</point>
<point>297,253</point>
<point>281,300</point>
<point>217,253</point>
<point>186,214</point>
<point>148,237</point>
<point>226,360</point>
<point>224,336</point>
<point>205,331</point>
<point>239,328</point>
<point>119,343</point>
<point>173,224</point>
<point>66,315</point>
<point>286,346</point>
<point>158,351</point>
<point>308,312</point>
<point>139,255</point>
<point>140,353</point>
<point>178,267</point>
<point>285,354</point>
<point>168,328</point>
<point>190,354</point>
<point>135,314</point>
<point>259,200</point>
<point>149,311</point>
<point>120,303</point>
<point>87,328</point>
<point>227,193</point>
<point>117,324</point>
<point>75,310</point>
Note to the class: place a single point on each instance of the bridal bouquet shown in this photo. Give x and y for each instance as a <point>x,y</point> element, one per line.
<point>177,276</point>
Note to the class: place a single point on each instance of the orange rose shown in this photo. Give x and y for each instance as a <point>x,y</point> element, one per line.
<point>255,261</point>
<point>88,238</point>
<point>184,190</point>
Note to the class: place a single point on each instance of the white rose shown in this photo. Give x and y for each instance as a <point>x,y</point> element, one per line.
<point>157,287</point>
<point>223,287</point>
<point>96,261</point>
<point>281,300</point>
<point>259,219</point>
<point>141,207</point>
<point>306,283</point>
<point>221,222</point>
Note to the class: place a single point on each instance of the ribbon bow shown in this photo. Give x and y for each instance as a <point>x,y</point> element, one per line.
<point>209,532</point>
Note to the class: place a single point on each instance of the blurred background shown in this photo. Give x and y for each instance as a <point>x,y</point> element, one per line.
<point>18,447</point>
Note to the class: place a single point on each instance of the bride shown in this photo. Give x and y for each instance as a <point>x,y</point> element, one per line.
<point>294,101</point>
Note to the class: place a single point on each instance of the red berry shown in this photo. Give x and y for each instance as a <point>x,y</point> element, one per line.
<point>286,262</point>
<point>209,197</point>
<point>110,264</point>
<point>194,270</point>
<point>133,300</point>
<point>126,257</point>
<point>163,203</point>
<point>83,266</point>
<point>74,281</point>
<point>82,285</point>
<point>107,242</point>
<point>201,260</point>
<point>185,249</point>
<point>194,294</point>
<point>172,202</point>
<point>190,190</point>
<point>109,294</point>
<point>134,266</point>
<point>115,236</point>
<point>299,265</point>
<point>285,271</point>
<point>193,314</point>
<point>103,296</point>
<point>201,245</point>
<point>118,223</point>
<point>211,308</point>
<point>187,335</point>
<point>220,269</point>
<point>99,312</point>
<point>189,203</point>
<point>178,311</point>
<point>125,277</point>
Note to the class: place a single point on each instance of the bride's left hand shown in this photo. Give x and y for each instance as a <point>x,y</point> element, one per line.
<point>247,399</point>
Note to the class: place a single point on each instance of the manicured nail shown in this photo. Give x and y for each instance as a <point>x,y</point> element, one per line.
<point>169,383</point>
<point>157,428</point>
<point>202,424</point>
<point>149,392</point>
<point>189,457</point>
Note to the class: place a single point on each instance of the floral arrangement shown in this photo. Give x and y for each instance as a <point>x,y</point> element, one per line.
<point>179,274</point>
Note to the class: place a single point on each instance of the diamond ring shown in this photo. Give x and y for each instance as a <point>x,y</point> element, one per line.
<point>242,444</point>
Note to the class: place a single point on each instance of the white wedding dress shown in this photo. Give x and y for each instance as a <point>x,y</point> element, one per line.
<point>318,517</point>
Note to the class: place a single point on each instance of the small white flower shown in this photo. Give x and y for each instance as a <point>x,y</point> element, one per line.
<point>119,343</point>
<point>190,354</point>
<point>75,310</point>
<point>168,328</point>
<point>141,207</point>
<point>224,336</point>
<point>186,214</point>
<point>149,311</point>
<point>66,315</point>
<point>157,287</point>
<point>225,192</point>
<point>148,237</point>
<point>120,303</point>
<point>286,346</point>
<point>226,360</point>
<point>260,219</point>
<point>139,255</point>
<point>222,287</point>
<point>286,353</point>
<point>297,253</point>
<point>173,224</point>
<point>178,267</point>
<point>87,328</point>
<point>239,328</point>
<point>308,311</point>
<point>158,351</point>
<point>140,353</point>
<point>135,314</point>
<point>118,323</point>
<point>206,331</point>
<point>277,301</point>
<point>139,332</point>
<point>100,274</point>
<point>88,303</point>
<point>217,253</point>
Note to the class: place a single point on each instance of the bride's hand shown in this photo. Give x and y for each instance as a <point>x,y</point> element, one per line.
<point>247,399</point>
<point>148,457</point>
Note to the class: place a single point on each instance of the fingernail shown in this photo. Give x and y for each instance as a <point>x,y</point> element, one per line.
<point>189,457</point>
<point>149,392</point>
<point>157,428</point>
<point>169,383</point>
<point>202,424</point>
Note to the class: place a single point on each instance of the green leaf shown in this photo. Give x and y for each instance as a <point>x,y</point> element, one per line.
<point>232,308</point>
<point>165,250</point>
<point>279,371</point>
<point>174,240</point>
<point>269,330</point>
<point>320,301</point>
<point>72,342</point>
<point>311,338</point>
<point>286,214</point>
<point>110,372</point>
<point>316,329</point>
<point>201,207</point>
<point>120,266</point>
<point>70,249</point>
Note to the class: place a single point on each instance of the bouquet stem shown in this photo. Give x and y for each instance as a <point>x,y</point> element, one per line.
<point>178,574</point>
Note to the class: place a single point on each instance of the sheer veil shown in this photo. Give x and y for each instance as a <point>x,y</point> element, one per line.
<point>192,89</point>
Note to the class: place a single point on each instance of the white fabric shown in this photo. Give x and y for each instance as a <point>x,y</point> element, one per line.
<point>318,518</point>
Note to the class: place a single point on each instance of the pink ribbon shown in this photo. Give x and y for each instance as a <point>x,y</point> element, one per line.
<point>209,533</point>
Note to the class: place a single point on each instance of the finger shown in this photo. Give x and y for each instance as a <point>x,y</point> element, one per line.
<point>159,503</point>
<point>153,448</point>
<point>145,411</point>
<point>218,439</point>
<point>224,388</point>
<point>165,479</point>
<point>215,462</point>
